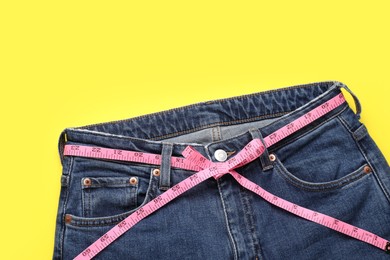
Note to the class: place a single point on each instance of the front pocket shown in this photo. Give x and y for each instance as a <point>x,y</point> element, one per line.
<point>108,190</point>
<point>325,157</point>
<point>321,186</point>
<point>102,196</point>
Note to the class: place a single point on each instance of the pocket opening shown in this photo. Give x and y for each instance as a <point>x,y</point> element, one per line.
<point>321,186</point>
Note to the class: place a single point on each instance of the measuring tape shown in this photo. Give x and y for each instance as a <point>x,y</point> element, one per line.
<point>194,161</point>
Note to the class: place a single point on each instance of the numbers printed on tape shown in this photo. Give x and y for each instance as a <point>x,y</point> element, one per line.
<point>194,161</point>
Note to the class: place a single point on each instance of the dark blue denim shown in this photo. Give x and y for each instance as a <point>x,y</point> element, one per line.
<point>331,166</point>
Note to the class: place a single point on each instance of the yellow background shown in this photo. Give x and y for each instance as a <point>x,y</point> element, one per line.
<point>72,63</point>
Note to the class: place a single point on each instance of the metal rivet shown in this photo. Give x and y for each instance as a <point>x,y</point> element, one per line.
<point>272,157</point>
<point>87,181</point>
<point>68,218</point>
<point>133,180</point>
<point>367,169</point>
<point>156,172</point>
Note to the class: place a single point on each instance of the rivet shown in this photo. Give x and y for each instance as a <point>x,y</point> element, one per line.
<point>68,218</point>
<point>367,169</point>
<point>156,172</point>
<point>272,157</point>
<point>87,181</point>
<point>133,180</point>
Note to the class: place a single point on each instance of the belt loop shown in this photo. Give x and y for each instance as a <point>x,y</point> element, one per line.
<point>357,102</point>
<point>61,143</point>
<point>165,170</point>
<point>264,158</point>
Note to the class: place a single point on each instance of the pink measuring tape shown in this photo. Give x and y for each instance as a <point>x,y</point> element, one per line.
<point>194,161</point>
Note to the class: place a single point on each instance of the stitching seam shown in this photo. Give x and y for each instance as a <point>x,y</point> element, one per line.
<point>232,241</point>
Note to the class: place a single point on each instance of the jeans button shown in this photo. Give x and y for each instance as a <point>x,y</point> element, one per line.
<point>220,155</point>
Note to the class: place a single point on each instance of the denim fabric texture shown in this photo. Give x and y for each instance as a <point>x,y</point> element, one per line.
<point>322,167</point>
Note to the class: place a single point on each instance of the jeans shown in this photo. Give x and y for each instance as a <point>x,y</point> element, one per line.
<point>331,166</point>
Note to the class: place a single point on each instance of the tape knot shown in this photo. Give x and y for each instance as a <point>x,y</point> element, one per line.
<point>249,153</point>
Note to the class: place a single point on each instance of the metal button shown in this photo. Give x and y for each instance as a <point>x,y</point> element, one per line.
<point>272,157</point>
<point>87,181</point>
<point>367,169</point>
<point>220,155</point>
<point>156,172</point>
<point>133,180</point>
<point>68,218</point>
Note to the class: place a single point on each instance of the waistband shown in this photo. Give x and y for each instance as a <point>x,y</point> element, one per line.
<point>146,133</point>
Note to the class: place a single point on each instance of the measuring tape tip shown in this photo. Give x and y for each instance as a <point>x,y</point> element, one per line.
<point>387,248</point>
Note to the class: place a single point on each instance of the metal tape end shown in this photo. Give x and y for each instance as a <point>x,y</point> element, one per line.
<point>387,248</point>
